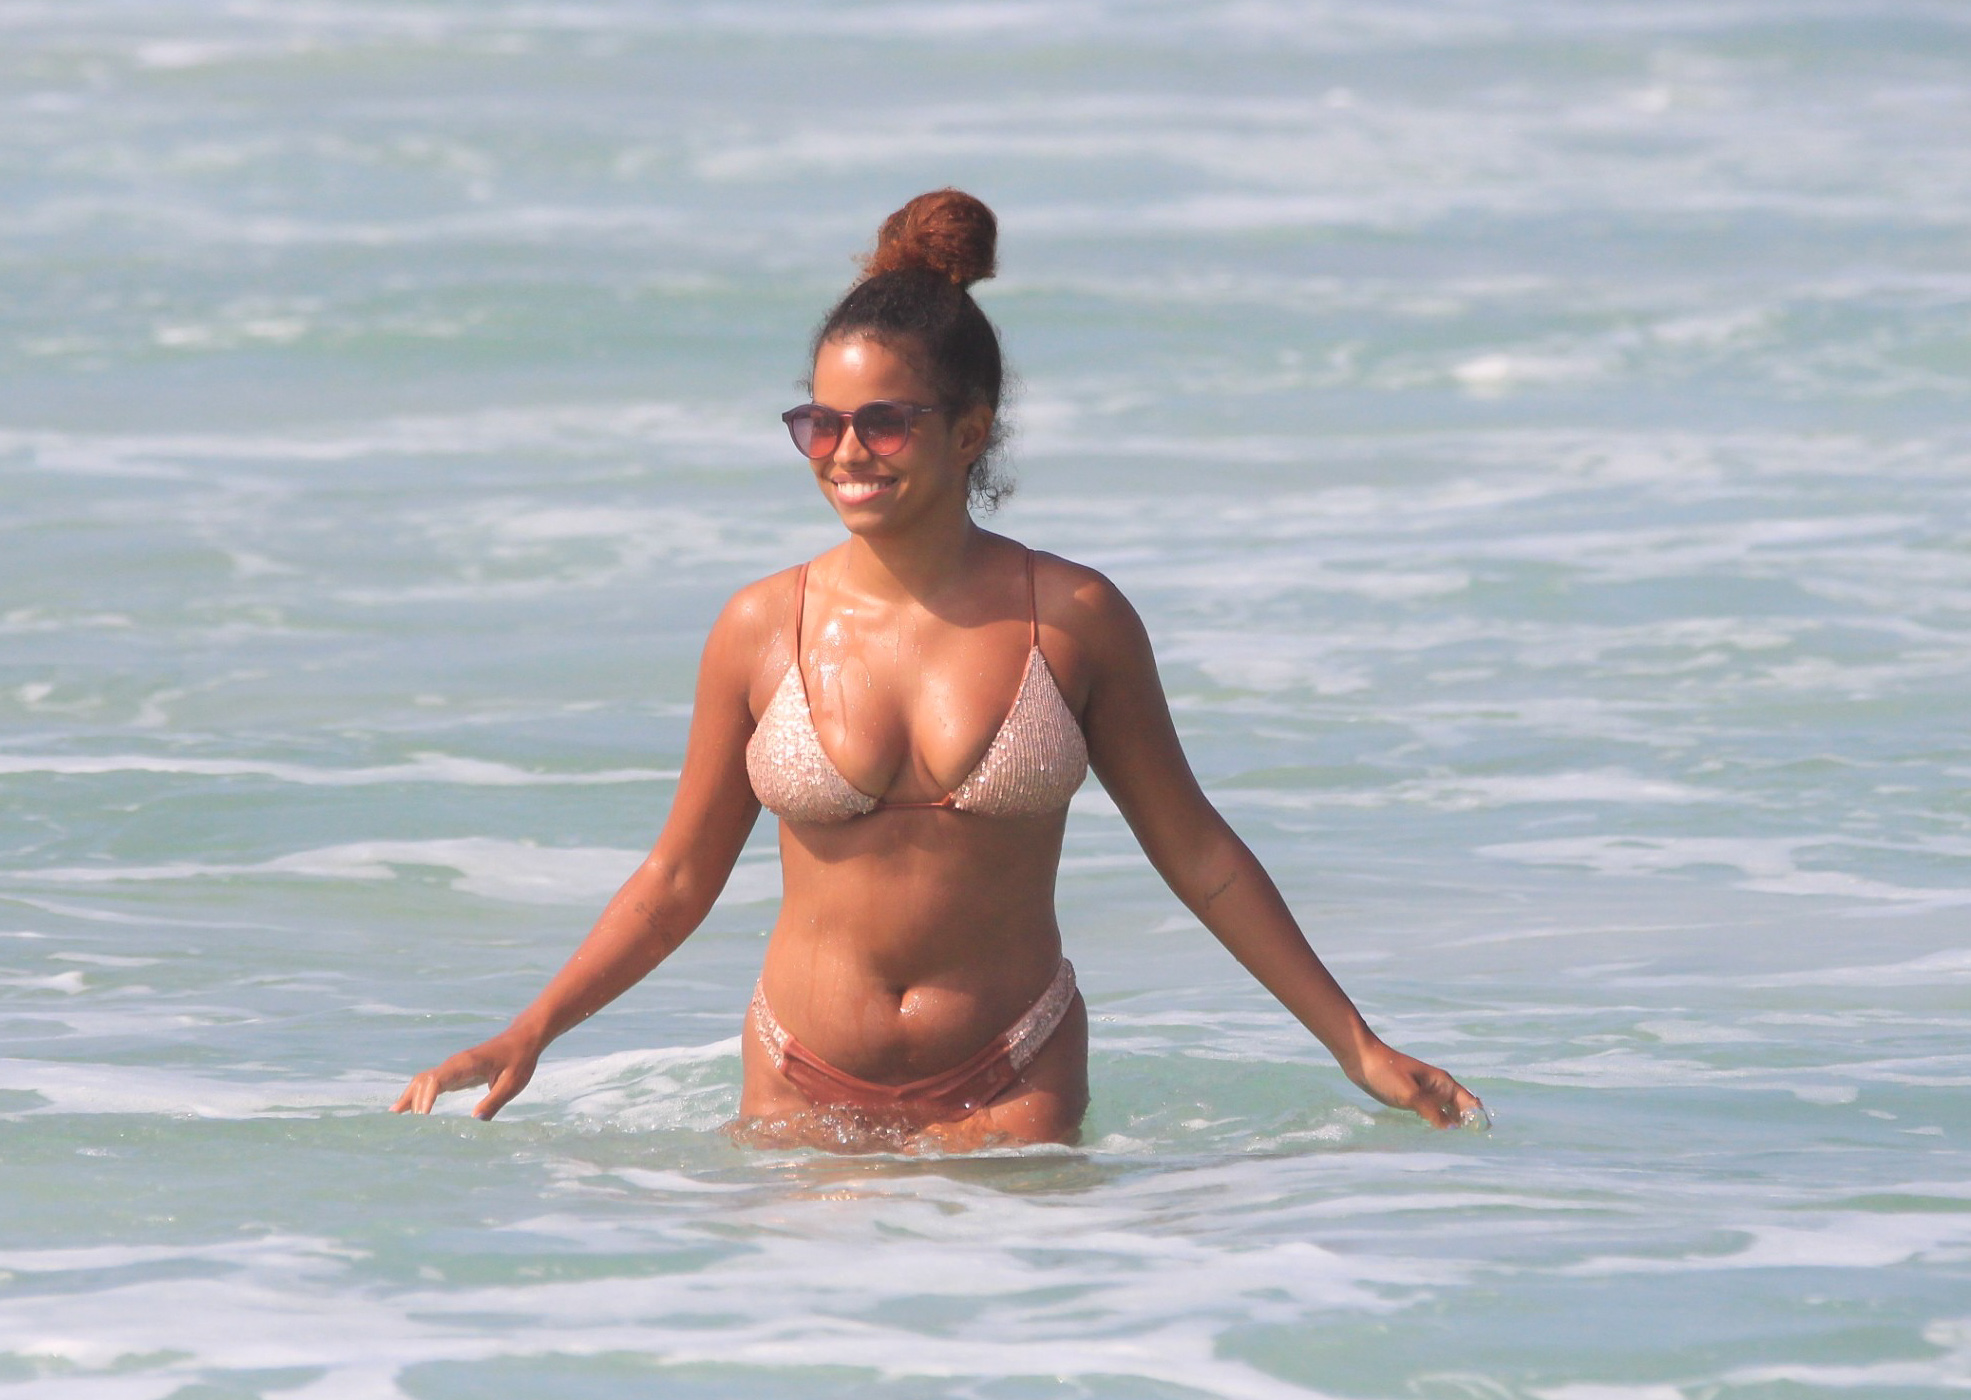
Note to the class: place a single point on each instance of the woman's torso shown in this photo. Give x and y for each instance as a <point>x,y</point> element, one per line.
<point>912,933</point>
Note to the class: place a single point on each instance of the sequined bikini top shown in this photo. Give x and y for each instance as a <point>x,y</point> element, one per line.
<point>1033,765</point>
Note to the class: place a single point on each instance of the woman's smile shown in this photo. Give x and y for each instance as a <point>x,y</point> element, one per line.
<point>854,490</point>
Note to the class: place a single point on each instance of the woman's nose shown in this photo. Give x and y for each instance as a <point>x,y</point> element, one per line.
<point>849,450</point>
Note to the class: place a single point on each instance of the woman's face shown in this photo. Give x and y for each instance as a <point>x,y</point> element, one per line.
<point>927,477</point>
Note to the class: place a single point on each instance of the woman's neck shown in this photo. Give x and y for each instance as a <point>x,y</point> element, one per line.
<point>919,564</point>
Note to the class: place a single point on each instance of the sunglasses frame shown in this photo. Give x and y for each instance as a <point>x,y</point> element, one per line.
<point>819,413</point>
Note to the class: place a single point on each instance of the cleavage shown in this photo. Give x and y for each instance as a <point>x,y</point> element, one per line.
<point>905,726</point>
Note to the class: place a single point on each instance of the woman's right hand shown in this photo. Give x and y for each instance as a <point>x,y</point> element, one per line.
<point>506,1062</point>
<point>1403,1081</point>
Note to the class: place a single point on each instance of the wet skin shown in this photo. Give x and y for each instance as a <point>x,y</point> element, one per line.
<point>907,939</point>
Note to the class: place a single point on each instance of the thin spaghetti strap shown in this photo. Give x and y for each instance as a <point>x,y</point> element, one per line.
<point>800,606</point>
<point>1033,608</point>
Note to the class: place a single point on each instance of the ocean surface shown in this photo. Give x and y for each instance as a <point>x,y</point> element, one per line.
<point>1535,434</point>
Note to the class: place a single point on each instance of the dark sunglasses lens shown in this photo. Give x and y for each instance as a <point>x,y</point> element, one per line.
<point>883,427</point>
<point>815,430</point>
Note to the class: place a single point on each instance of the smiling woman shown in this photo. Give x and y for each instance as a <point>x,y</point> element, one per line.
<point>917,706</point>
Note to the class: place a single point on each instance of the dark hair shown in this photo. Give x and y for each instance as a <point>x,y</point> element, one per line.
<point>912,298</point>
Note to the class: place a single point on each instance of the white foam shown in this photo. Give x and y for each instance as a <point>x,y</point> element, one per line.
<point>67,983</point>
<point>1612,785</point>
<point>1624,1068</point>
<point>545,551</point>
<point>148,919</point>
<point>1953,965</point>
<point>1272,575</point>
<point>1766,863</point>
<point>548,428</point>
<point>186,53</point>
<point>677,1183</point>
<point>1951,1372</point>
<point>422,768</point>
<point>1842,1240</point>
<point>511,870</point>
<point>1498,372</point>
<point>1671,1032</point>
<point>689,1086</point>
<point>1271,670</point>
<point>1616,786</point>
<point>515,871</point>
<point>290,1301</point>
<point>501,869</point>
<point>29,620</point>
<point>76,1087</point>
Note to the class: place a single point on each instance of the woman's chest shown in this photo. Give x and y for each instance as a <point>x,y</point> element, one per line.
<point>912,723</point>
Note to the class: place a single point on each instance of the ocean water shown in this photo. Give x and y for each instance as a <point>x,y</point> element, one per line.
<point>1535,434</point>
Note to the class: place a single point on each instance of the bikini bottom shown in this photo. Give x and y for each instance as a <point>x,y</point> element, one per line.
<point>940,1098</point>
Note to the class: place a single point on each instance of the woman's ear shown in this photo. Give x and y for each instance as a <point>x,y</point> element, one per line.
<point>971,429</point>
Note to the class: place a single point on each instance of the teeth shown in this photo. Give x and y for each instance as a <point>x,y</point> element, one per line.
<point>859,490</point>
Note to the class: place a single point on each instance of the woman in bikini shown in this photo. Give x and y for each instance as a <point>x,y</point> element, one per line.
<point>917,706</point>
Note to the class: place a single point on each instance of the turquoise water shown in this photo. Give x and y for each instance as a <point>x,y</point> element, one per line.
<point>1534,434</point>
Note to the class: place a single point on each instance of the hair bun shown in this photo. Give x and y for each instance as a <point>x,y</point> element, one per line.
<point>946,231</point>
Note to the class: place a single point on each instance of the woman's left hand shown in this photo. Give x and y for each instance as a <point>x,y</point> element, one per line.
<point>1403,1081</point>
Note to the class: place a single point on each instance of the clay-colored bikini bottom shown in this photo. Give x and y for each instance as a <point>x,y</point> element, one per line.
<point>940,1098</point>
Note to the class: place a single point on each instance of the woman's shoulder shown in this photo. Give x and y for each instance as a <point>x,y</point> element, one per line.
<point>1071,594</point>
<point>1088,630</point>
<point>768,602</point>
<point>754,618</point>
<point>751,640</point>
<point>763,598</point>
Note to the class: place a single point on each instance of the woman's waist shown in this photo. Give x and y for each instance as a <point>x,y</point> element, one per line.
<point>914,912</point>
<point>891,955</point>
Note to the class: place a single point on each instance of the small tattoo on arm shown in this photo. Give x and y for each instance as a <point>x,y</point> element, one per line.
<point>1230,880</point>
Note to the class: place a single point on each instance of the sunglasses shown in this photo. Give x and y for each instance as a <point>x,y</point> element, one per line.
<point>882,426</point>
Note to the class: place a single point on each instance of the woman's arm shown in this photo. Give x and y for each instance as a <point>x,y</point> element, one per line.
<point>1134,749</point>
<point>662,902</point>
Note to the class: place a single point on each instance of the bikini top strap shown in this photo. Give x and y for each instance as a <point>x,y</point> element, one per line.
<point>1033,607</point>
<point>800,606</point>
